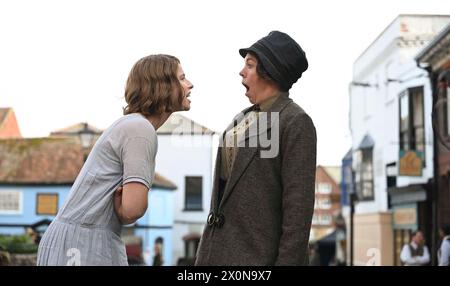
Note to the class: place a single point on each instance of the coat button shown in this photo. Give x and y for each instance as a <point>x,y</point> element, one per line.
<point>220,220</point>
<point>211,219</point>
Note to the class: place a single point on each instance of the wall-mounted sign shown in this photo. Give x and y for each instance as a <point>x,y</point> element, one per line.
<point>405,217</point>
<point>410,163</point>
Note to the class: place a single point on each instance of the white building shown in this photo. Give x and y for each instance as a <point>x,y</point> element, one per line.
<point>390,114</point>
<point>185,155</point>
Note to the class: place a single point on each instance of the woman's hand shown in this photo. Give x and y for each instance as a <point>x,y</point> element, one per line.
<point>118,200</point>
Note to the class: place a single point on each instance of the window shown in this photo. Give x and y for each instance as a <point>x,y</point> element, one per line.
<point>412,132</point>
<point>443,106</point>
<point>324,188</point>
<point>364,175</point>
<point>194,191</point>
<point>10,202</point>
<point>315,220</point>
<point>321,219</point>
<point>191,246</point>
<point>325,219</point>
<point>325,203</point>
<point>46,204</point>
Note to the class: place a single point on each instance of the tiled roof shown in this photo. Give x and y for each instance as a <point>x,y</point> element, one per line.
<point>39,160</point>
<point>49,160</point>
<point>75,129</point>
<point>176,124</point>
<point>3,113</point>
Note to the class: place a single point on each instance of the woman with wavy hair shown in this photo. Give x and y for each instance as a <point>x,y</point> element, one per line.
<point>112,187</point>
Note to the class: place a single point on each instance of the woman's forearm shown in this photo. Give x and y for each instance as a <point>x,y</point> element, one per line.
<point>123,218</point>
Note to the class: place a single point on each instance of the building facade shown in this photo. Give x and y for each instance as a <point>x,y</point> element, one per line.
<point>392,140</point>
<point>435,57</point>
<point>36,176</point>
<point>185,155</point>
<point>327,203</point>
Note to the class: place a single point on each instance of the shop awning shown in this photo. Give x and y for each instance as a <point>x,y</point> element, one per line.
<point>408,194</point>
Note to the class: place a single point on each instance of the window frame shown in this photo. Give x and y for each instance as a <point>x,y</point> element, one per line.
<point>19,211</point>
<point>320,188</point>
<point>187,204</point>
<point>409,96</point>
<point>47,194</point>
<point>365,164</point>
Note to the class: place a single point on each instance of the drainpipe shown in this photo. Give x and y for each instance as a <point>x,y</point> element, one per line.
<point>352,213</point>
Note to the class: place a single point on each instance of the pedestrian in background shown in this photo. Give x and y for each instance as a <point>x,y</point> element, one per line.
<point>416,252</point>
<point>444,250</point>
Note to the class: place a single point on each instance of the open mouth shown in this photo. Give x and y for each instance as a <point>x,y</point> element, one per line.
<point>246,86</point>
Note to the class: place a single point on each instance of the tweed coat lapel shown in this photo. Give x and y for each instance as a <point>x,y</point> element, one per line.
<point>245,154</point>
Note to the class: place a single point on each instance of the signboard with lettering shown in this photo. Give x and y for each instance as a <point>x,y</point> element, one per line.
<point>410,163</point>
<point>405,217</point>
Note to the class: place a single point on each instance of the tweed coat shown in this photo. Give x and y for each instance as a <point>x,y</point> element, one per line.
<point>264,216</point>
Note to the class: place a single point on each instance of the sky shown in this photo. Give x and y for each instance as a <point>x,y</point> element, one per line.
<point>65,62</point>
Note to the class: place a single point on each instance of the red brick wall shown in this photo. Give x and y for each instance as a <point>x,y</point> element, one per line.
<point>323,177</point>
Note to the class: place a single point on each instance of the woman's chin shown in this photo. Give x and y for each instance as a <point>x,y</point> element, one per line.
<point>186,104</point>
<point>186,107</point>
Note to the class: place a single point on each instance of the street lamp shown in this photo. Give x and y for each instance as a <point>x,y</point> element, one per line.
<point>353,198</point>
<point>86,138</point>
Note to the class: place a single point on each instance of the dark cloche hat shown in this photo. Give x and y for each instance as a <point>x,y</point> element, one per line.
<point>281,57</point>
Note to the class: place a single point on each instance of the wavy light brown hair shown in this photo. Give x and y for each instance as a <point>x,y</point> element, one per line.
<point>153,86</point>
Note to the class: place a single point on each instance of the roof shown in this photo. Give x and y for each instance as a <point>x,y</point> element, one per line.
<point>334,172</point>
<point>8,124</point>
<point>393,22</point>
<point>178,124</point>
<point>433,49</point>
<point>49,160</point>
<point>348,155</point>
<point>163,183</point>
<point>3,113</point>
<point>175,124</point>
<point>76,129</point>
<point>366,143</point>
<point>40,160</point>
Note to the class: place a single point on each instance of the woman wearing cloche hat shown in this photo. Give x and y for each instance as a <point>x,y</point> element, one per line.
<point>263,192</point>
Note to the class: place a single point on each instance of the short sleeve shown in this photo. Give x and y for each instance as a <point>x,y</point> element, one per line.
<point>138,158</point>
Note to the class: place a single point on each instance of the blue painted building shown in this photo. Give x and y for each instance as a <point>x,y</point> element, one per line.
<point>35,179</point>
<point>347,179</point>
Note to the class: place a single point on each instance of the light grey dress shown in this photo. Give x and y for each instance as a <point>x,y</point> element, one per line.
<point>86,231</point>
